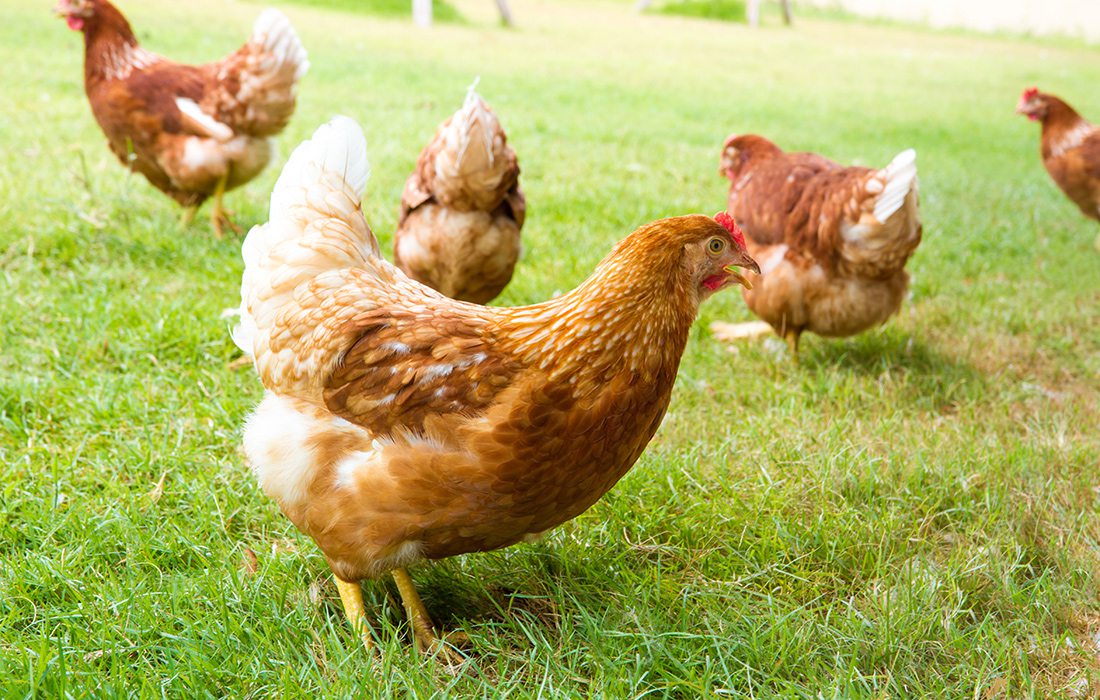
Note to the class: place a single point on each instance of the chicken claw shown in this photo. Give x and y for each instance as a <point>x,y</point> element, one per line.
<point>421,622</point>
<point>219,215</point>
<point>351,595</point>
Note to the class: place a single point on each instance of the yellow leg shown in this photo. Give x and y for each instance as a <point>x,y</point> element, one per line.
<point>187,216</point>
<point>420,620</point>
<point>218,215</point>
<point>792,342</point>
<point>351,595</point>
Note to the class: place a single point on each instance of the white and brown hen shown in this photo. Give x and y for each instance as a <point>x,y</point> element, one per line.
<point>462,208</point>
<point>193,131</point>
<point>400,424</point>
<point>832,241</point>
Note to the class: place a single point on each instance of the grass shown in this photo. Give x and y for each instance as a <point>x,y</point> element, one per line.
<point>441,11</point>
<point>912,513</point>
<point>728,10</point>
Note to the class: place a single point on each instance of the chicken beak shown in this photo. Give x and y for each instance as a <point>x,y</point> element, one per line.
<point>746,262</point>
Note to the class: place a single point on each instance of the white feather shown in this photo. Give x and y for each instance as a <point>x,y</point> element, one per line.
<point>338,149</point>
<point>335,160</point>
<point>273,31</point>
<point>201,121</point>
<point>899,178</point>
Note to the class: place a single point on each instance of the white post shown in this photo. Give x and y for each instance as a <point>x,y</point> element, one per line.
<point>752,11</point>
<point>505,13</point>
<point>422,13</point>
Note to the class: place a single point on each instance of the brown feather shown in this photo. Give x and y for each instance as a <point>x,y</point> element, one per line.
<point>1070,148</point>
<point>795,209</point>
<point>133,94</point>
<point>461,212</point>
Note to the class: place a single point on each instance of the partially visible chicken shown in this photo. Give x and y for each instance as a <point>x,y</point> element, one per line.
<point>400,424</point>
<point>462,208</point>
<point>832,241</point>
<point>192,131</point>
<point>1070,148</point>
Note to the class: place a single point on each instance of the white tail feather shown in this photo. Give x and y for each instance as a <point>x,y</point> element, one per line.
<point>273,31</point>
<point>898,179</point>
<point>315,224</point>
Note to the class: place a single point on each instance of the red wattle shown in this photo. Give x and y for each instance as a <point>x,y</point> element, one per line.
<point>75,23</point>
<point>715,281</point>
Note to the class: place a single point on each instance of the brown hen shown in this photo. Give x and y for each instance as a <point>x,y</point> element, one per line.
<point>1070,148</point>
<point>832,241</point>
<point>192,131</point>
<point>400,424</point>
<point>462,208</point>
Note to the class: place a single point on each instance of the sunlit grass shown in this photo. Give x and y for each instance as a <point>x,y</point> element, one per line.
<point>911,513</point>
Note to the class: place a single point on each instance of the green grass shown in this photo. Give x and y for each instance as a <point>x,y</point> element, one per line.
<point>728,10</point>
<point>441,11</point>
<point>912,513</point>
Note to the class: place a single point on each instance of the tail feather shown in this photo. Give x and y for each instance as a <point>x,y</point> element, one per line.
<point>896,181</point>
<point>273,32</point>
<point>260,80</point>
<point>469,137</point>
<point>469,164</point>
<point>315,227</point>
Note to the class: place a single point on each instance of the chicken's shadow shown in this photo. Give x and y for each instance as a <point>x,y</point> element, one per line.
<point>913,366</point>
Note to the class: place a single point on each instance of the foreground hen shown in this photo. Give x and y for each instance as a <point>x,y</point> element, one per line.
<point>1070,149</point>
<point>192,131</point>
<point>400,424</point>
<point>462,208</point>
<point>832,241</point>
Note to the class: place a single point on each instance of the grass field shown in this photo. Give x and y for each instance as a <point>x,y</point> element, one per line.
<point>911,513</point>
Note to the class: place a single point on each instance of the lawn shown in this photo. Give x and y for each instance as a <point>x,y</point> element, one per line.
<point>911,513</point>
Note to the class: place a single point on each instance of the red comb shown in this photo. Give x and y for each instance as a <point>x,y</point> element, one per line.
<point>1030,92</point>
<point>736,233</point>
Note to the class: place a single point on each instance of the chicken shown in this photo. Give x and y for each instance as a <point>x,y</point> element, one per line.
<point>192,131</point>
<point>1070,148</point>
<point>399,424</point>
<point>832,241</point>
<point>462,208</point>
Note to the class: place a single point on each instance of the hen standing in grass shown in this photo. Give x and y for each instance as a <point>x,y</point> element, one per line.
<point>192,131</point>
<point>1070,149</point>
<point>400,424</point>
<point>832,241</point>
<point>462,208</point>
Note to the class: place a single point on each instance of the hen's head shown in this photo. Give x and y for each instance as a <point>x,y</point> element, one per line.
<point>84,15</point>
<point>1033,104</point>
<point>739,151</point>
<point>694,252</point>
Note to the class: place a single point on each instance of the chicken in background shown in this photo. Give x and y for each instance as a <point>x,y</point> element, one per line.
<point>462,208</point>
<point>192,131</point>
<point>1070,148</point>
<point>400,424</point>
<point>832,241</point>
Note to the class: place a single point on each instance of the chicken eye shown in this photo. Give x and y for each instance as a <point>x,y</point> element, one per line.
<point>716,245</point>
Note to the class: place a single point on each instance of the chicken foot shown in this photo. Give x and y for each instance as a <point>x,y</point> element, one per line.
<point>791,336</point>
<point>421,622</point>
<point>187,216</point>
<point>351,595</point>
<point>219,216</point>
